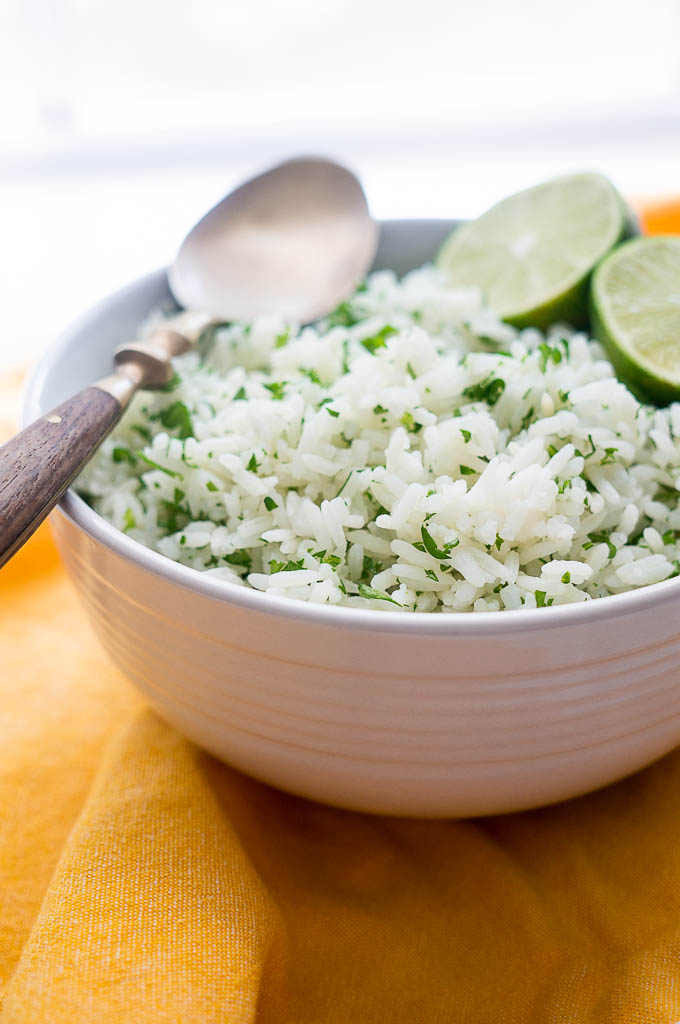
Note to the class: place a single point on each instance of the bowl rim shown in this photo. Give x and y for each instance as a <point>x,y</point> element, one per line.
<point>79,513</point>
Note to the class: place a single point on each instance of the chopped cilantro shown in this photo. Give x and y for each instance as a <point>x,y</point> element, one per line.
<point>177,416</point>
<point>375,595</point>
<point>431,547</point>
<point>270,504</point>
<point>313,376</point>
<point>566,578</point>
<point>379,410</point>
<point>253,464</point>
<point>281,339</point>
<point>129,521</point>
<point>331,560</point>
<point>143,432</point>
<point>608,456</point>
<point>286,566</point>
<point>552,450</point>
<point>342,316</point>
<point>498,541</point>
<point>377,341</point>
<point>241,558</point>
<point>408,421</point>
<point>277,389</point>
<point>212,486</point>
<point>548,354</point>
<point>540,598</point>
<point>123,455</point>
<point>488,390</point>
<point>156,465</point>
<point>467,435</point>
<point>370,568</point>
<point>526,419</point>
<point>332,412</point>
<point>240,395</point>
<point>411,372</point>
<point>467,470</point>
<point>345,355</point>
<point>603,538</point>
<point>432,575</point>
<point>345,483</point>
<point>669,537</point>
<point>172,515</point>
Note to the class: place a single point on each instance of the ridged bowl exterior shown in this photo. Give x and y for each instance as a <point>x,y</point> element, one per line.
<point>422,715</point>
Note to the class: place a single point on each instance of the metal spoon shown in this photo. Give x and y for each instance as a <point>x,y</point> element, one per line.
<point>293,241</point>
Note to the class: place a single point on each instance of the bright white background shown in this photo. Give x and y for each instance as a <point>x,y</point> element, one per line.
<point>121,121</point>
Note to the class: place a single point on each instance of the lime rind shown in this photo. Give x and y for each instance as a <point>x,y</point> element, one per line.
<point>533,253</point>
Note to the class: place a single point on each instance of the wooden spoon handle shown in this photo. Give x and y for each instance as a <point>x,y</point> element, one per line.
<point>39,463</point>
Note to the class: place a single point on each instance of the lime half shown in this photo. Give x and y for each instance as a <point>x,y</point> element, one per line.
<point>532,254</point>
<point>635,314</point>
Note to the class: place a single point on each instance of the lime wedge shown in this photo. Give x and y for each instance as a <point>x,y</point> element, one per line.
<point>532,254</point>
<point>635,314</point>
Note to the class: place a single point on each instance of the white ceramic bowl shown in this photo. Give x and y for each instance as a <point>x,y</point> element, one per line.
<point>424,715</point>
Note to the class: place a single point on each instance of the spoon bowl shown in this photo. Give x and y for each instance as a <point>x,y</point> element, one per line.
<point>293,241</point>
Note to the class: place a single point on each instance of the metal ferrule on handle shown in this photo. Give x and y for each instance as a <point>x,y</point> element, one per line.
<point>39,463</point>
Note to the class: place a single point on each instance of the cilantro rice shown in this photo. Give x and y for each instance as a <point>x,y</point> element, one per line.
<point>410,451</point>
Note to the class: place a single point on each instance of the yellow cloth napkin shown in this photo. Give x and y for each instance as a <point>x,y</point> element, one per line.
<point>141,881</point>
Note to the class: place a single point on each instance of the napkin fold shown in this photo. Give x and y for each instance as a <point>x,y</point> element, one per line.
<point>143,881</point>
